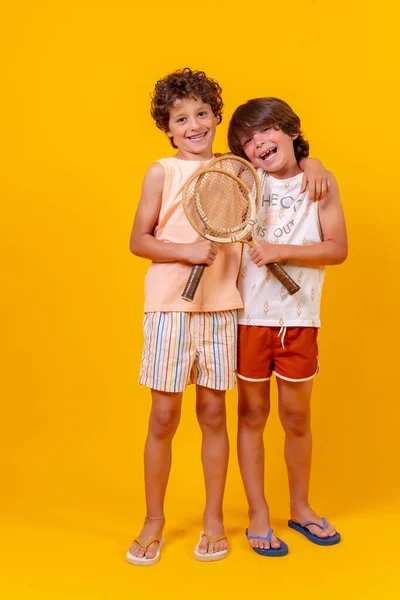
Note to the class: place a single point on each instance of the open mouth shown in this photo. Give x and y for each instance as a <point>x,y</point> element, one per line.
<point>199,136</point>
<point>268,154</point>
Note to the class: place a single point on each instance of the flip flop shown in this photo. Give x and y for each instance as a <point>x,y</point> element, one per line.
<point>209,557</point>
<point>143,561</point>
<point>302,528</point>
<point>282,551</point>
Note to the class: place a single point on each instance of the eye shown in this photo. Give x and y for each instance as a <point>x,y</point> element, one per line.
<point>181,120</point>
<point>202,113</point>
<point>246,142</point>
<point>266,129</point>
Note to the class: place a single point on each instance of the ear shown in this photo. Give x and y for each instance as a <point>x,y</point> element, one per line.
<point>169,134</point>
<point>294,137</point>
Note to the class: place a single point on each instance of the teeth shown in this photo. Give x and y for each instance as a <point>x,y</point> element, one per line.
<point>267,153</point>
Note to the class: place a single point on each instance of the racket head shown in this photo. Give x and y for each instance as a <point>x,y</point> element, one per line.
<point>221,201</point>
<point>243,169</point>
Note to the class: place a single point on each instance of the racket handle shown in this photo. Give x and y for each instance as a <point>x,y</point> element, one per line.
<point>193,283</point>
<point>284,278</point>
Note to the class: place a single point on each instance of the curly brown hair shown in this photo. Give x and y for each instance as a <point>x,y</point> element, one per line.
<point>265,112</point>
<point>184,83</point>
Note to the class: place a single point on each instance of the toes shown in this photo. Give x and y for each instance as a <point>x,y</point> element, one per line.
<point>322,534</point>
<point>331,530</point>
<point>265,545</point>
<point>318,532</point>
<point>152,550</point>
<point>141,552</point>
<point>203,546</point>
<point>275,543</point>
<point>135,549</point>
<point>206,548</point>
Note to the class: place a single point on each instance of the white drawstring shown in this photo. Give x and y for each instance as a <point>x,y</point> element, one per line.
<point>283,332</point>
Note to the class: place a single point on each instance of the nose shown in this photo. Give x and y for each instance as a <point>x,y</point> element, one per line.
<point>193,124</point>
<point>259,140</point>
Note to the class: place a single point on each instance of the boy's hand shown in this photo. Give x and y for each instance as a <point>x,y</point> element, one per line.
<point>202,252</point>
<point>264,253</point>
<point>316,178</point>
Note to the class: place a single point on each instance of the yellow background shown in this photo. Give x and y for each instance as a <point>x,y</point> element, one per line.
<point>76,140</point>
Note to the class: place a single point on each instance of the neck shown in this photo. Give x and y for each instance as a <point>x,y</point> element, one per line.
<point>289,170</point>
<point>184,155</point>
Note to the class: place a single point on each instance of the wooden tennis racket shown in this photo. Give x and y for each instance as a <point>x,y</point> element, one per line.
<point>221,203</point>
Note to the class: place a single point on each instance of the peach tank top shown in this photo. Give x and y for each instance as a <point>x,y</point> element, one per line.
<point>164,282</point>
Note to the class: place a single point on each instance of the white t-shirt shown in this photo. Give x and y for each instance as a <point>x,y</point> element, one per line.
<point>285,217</point>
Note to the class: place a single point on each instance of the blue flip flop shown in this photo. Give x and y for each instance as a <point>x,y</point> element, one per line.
<point>302,528</point>
<point>282,551</point>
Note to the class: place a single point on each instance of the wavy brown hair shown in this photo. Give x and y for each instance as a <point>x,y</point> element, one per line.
<point>184,83</point>
<point>265,112</point>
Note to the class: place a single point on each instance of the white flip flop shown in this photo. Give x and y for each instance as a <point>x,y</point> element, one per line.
<point>143,561</point>
<point>209,557</point>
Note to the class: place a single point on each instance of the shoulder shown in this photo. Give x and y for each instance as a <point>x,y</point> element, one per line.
<point>332,198</point>
<point>157,169</point>
<point>155,174</point>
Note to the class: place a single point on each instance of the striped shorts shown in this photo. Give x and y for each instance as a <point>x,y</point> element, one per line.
<point>182,348</point>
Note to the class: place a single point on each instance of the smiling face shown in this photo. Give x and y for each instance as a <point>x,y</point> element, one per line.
<point>192,126</point>
<point>271,150</point>
<point>268,133</point>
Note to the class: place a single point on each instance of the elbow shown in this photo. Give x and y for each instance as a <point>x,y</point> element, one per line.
<point>134,245</point>
<point>341,256</point>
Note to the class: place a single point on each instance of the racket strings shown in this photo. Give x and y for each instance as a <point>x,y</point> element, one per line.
<point>218,204</point>
<point>238,167</point>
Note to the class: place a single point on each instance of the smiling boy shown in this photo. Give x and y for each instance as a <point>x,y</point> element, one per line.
<point>278,332</point>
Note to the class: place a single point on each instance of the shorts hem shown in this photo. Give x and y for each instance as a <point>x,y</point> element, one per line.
<point>251,379</point>
<point>297,380</point>
<point>184,388</point>
<point>217,389</point>
<point>161,389</point>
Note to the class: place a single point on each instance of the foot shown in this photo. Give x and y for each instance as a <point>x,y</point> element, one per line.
<point>259,525</point>
<point>214,527</point>
<point>151,529</point>
<point>306,513</point>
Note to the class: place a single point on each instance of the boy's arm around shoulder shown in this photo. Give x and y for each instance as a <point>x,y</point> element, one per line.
<point>332,250</point>
<point>333,224</point>
<point>142,241</point>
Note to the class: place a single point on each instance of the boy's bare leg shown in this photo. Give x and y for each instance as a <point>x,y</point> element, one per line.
<point>254,406</point>
<point>211,415</point>
<point>164,420</point>
<point>294,413</point>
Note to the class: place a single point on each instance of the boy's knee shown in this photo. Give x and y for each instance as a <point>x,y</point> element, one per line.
<point>253,417</point>
<point>211,417</point>
<point>295,423</point>
<point>164,422</point>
